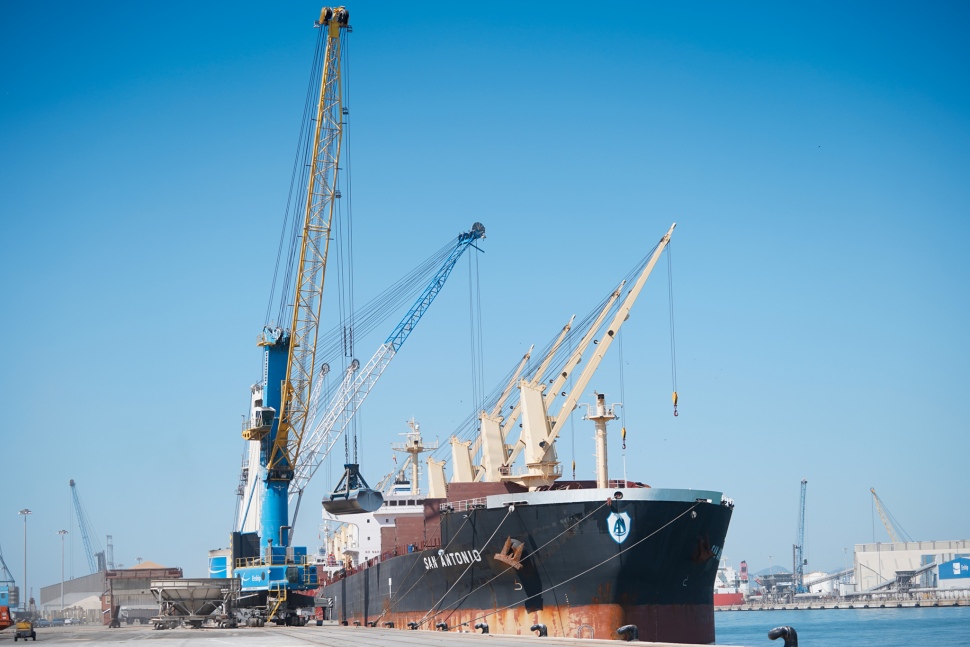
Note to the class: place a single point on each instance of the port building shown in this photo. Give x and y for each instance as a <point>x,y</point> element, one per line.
<point>878,564</point>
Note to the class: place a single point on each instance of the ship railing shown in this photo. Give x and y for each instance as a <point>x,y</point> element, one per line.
<point>330,578</point>
<point>546,469</point>
<point>462,506</point>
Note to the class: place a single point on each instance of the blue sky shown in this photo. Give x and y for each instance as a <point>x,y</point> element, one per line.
<point>815,160</point>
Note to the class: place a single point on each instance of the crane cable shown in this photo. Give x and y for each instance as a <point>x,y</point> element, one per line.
<point>619,341</point>
<point>673,345</point>
<point>475,331</point>
<point>298,182</point>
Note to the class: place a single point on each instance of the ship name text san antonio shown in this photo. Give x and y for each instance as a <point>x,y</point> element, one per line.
<point>452,559</point>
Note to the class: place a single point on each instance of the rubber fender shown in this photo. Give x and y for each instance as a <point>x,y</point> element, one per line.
<point>786,632</point>
<point>629,632</point>
<point>541,629</point>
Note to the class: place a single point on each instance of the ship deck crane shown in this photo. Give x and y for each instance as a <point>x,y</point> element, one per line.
<point>280,570</point>
<point>92,547</point>
<point>536,397</point>
<point>896,532</point>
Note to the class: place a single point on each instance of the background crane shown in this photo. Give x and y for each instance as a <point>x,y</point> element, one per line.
<point>9,593</point>
<point>798,550</point>
<point>896,532</point>
<point>92,547</point>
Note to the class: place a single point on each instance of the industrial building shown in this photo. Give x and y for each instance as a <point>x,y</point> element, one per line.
<point>90,598</point>
<point>878,564</point>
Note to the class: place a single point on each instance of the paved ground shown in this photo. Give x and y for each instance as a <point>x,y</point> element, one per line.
<point>330,636</point>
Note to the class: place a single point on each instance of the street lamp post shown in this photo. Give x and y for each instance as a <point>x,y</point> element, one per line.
<point>26,594</point>
<point>62,533</point>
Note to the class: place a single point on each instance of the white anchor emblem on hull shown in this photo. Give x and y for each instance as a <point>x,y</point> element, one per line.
<point>618,526</point>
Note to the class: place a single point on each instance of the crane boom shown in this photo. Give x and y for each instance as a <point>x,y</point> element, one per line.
<point>311,272</point>
<point>356,385</point>
<point>799,548</point>
<point>896,533</point>
<point>539,429</point>
<point>92,548</point>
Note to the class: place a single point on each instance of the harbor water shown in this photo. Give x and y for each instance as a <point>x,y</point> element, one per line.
<point>848,627</point>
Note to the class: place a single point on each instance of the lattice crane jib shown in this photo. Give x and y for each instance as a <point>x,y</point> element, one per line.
<point>321,199</point>
<point>799,552</point>
<point>893,528</point>
<point>92,548</point>
<point>359,381</point>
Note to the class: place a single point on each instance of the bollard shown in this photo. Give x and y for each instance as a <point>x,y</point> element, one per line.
<point>441,626</point>
<point>541,629</point>
<point>483,626</point>
<point>629,632</point>
<point>788,633</point>
<point>371,624</point>
<point>389,625</point>
<point>412,626</point>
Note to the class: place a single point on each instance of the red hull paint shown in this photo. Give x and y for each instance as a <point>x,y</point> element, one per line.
<point>728,599</point>
<point>680,623</point>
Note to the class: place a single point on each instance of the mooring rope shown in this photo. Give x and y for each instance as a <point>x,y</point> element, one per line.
<point>431,611</point>
<point>416,562</point>
<point>529,556</point>
<point>591,568</point>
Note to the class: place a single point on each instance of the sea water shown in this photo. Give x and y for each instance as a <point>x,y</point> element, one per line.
<point>900,627</point>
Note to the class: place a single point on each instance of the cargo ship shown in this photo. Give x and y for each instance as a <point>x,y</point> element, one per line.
<point>511,547</point>
<point>730,586</point>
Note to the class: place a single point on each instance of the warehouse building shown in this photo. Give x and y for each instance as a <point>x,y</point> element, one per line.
<point>876,564</point>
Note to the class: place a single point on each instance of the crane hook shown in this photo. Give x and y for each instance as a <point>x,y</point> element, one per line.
<point>674,398</point>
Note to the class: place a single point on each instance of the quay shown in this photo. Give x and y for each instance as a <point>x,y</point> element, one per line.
<point>847,604</point>
<point>310,635</point>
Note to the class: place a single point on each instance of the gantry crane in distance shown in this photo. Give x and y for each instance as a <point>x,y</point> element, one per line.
<point>348,497</point>
<point>896,532</point>
<point>798,550</point>
<point>9,593</point>
<point>92,547</point>
<point>272,580</point>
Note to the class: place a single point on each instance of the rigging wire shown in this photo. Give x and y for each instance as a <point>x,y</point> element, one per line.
<point>619,341</point>
<point>475,332</point>
<point>298,180</point>
<point>467,429</point>
<point>673,345</point>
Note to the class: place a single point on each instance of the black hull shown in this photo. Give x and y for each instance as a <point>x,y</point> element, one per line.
<point>572,575</point>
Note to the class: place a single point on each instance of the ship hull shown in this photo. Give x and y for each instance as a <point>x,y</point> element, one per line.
<point>582,564</point>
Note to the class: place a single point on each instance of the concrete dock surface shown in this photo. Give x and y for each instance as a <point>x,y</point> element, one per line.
<point>329,636</point>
